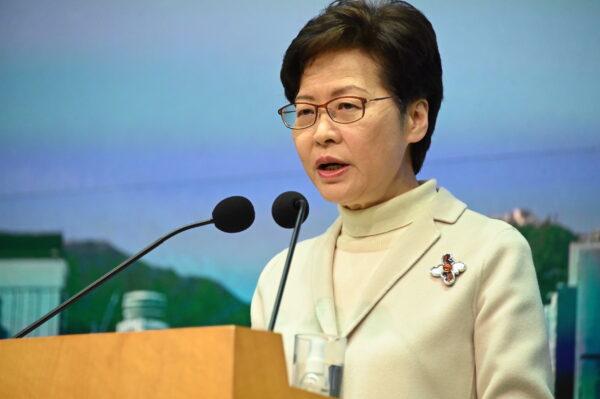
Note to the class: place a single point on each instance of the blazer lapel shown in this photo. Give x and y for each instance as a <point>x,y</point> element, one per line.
<point>322,278</point>
<point>400,258</point>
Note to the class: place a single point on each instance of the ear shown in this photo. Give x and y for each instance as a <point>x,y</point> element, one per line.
<point>417,120</point>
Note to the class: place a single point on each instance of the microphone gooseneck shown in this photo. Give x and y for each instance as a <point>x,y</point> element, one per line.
<point>289,210</point>
<point>231,215</point>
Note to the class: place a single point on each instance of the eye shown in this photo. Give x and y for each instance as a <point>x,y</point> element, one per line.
<point>304,111</point>
<point>346,106</point>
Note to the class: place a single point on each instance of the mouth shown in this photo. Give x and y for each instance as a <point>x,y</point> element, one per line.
<point>333,166</point>
<point>331,170</point>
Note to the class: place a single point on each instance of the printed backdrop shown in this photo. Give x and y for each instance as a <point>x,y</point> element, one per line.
<point>122,120</point>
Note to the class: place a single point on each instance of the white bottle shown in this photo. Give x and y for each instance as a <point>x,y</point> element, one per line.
<point>315,378</point>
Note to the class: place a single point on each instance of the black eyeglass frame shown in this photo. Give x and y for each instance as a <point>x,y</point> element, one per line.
<point>363,100</point>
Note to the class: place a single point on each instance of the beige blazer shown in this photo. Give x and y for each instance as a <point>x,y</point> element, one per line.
<point>411,336</point>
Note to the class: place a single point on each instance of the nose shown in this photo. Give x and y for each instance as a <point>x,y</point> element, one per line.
<point>325,130</point>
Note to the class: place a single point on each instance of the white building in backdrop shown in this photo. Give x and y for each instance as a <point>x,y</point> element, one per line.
<point>32,278</point>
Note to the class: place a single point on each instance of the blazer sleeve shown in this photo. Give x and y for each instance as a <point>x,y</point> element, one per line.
<point>512,357</point>
<point>257,314</point>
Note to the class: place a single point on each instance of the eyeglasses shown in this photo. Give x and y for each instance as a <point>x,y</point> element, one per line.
<point>340,109</point>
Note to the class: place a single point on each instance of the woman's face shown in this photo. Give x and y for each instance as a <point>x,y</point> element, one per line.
<point>363,163</point>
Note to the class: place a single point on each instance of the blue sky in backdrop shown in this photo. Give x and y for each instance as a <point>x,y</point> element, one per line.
<point>122,120</point>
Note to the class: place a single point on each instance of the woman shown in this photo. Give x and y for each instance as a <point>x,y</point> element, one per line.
<point>436,301</point>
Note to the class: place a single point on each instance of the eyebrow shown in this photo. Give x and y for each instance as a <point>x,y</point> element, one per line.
<point>335,93</point>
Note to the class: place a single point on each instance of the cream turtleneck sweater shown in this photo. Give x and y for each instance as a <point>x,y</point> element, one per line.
<point>364,240</point>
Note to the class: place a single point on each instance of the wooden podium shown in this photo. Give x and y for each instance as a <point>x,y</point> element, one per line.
<point>194,363</point>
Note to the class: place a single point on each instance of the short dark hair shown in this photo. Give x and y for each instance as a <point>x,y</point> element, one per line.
<point>397,35</point>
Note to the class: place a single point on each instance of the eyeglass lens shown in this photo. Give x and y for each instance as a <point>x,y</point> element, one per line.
<point>341,110</point>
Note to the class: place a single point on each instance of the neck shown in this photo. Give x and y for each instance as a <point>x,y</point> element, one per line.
<point>405,180</point>
<point>390,215</point>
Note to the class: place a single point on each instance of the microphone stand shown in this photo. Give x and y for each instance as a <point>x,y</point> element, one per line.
<point>107,276</point>
<point>286,268</point>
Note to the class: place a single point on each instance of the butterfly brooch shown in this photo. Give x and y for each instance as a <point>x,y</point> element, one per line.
<point>448,270</point>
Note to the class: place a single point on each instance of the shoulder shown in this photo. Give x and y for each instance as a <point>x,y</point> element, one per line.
<point>495,231</point>
<point>270,278</point>
<point>271,273</point>
<point>499,242</point>
<point>460,222</point>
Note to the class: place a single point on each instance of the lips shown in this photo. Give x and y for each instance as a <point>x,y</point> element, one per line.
<point>330,167</point>
<point>327,161</point>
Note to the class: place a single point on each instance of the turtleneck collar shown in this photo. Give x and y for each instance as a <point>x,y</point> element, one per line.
<point>387,216</point>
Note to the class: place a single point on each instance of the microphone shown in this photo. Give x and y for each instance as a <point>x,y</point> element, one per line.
<point>286,207</point>
<point>231,215</point>
<point>290,209</point>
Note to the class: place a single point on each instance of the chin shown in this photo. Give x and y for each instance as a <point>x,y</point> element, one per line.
<point>334,194</point>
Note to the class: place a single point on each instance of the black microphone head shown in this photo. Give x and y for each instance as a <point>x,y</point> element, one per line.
<point>233,214</point>
<point>286,207</point>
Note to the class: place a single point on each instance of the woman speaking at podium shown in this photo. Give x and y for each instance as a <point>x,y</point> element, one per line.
<point>435,300</point>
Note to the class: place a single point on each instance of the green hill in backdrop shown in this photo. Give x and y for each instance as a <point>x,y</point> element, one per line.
<point>549,244</point>
<point>191,301</point>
